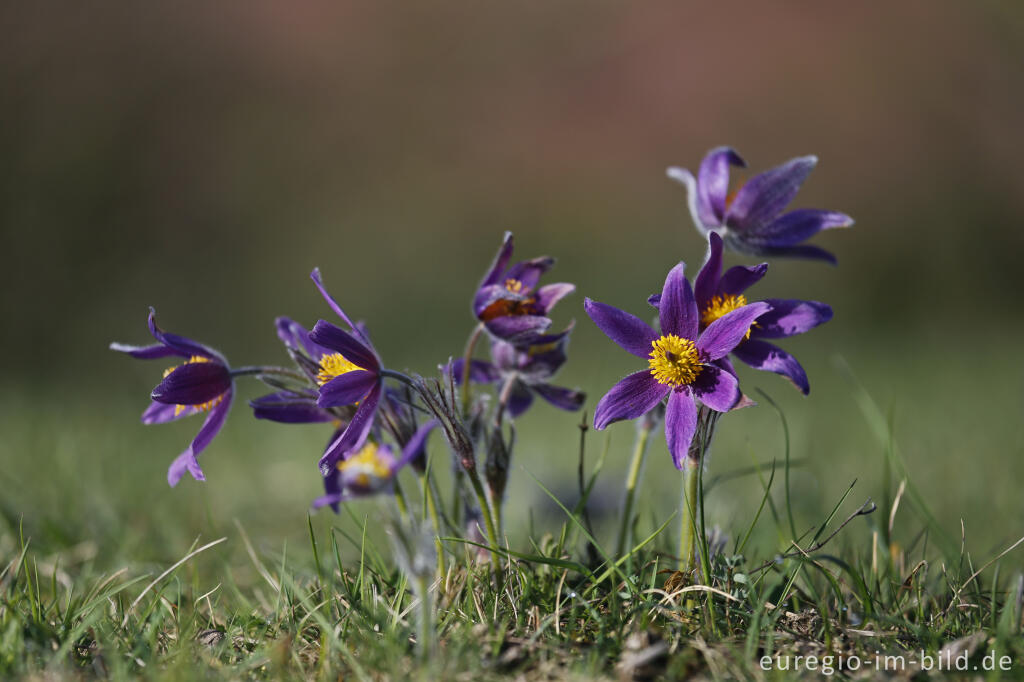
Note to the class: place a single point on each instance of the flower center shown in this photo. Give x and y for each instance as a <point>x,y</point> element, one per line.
<point>674,361</point>
<point>719,306</point>
<point>514,285</point>
<point>366,469</point>
<point>333,366</point>
<point>199,407</point>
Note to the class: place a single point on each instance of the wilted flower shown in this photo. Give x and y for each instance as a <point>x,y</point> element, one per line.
<point>508,301</point>
<point>369,470</point>
<point>680,361</point>
<point>750,219</point>
<point>525,371</point>
<point>202,383</point>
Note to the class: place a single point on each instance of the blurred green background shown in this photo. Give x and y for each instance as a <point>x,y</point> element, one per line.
<point>202,158</point>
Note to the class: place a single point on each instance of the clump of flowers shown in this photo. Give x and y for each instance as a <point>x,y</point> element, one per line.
<point>381,418</point>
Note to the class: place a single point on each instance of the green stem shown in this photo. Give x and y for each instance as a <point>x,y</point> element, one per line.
<point>427,631</point>
<point>403,507</point>
<point>688,524</point>
<point>481,498</point>
<point>635,467</point>
<point>467,359</point>
<point>431,504</point>
<point>280,371</point>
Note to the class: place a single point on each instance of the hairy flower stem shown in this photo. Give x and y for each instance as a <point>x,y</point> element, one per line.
<point>427,635</point>
<point>688,523</point>
<point>467,359</point>
<point>636,466</point>
<point>485,509</point>
<point>431,509</point>
<point>279,371</point>
<point>403,507</point>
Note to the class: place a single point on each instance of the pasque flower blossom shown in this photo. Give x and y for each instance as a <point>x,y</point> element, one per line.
<point>509,302</point>
<point>349,374</point>
<point>680,361</point>
<point>525,371</point>
<point>370,469</point>
<point>717,294</point>
<point>201,384</point>
<point>751,219</point>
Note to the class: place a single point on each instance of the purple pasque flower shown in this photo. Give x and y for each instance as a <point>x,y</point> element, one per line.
<point>294,404</point>
<point>202,383</point>
<point>350,373</point>
<point>525,371</point>
<point>370,469</point>
<point>718,294</point>
<point>751,219</point>
<point>509,302</point>
<point>680,361</point>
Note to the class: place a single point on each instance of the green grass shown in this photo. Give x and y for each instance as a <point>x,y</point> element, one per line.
<point>104,574</point>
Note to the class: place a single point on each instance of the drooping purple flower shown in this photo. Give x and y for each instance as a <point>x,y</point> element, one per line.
<point>718,294</point>
<point>296,405</point>
<point>202,383</point>
<point>370,469</point>
<point>525,371</point>
<point>751,220</point>
<point>680,361</point>
<point>349,374</point>
<point>509,302</point>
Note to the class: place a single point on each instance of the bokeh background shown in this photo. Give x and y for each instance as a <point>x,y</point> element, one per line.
<point>203,157</point>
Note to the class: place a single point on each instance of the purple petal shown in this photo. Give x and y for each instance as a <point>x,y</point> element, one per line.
<point>770,358</point>
<point>486,295</point>
<point>494,274</point>
<point>480,371</point>
<point>319,282</point>
<point>286,407</point>
<point>717,388</point>
<point>185,347</point>
<point>193,384</point>
<point>632,397</point>
<point>739,278</point>
<point>157,350</point>
<point>529,271</point>
<point>347,389</point>
<point>677,310</point>
<point>789,317</point>
<point>414,448</point>
<point>705,286</point>
<point>161,413</point>
<point>765,195</point>
<point>354,434</point>
<point>680,425</point>
<point>804,251</point>
<point>630,332</point>
<point>726,332</point>
<point>332,337</point>
<point>188,460</point>
<point>517,328</point>
<point>565,398</point>
<point>550,294</point>
<point>332,500</point>
<point>519,400</point>
<point>713,183</point>
<point>797,226</point>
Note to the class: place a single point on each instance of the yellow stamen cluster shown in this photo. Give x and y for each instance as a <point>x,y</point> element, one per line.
<point>720,306</point>
<point>674,361</point>
<point>332,366</point>
<point>201,407</point>
<point>514,285</point>
<point>365,466</point>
